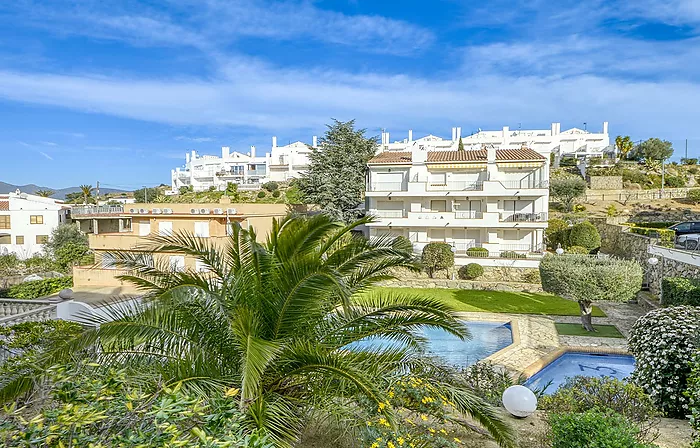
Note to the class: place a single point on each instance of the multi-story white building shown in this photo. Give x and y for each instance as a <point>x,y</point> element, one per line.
<point>572,142</point>
<point>495,199</point>
<point>280,164</point>
<point>26,222</point>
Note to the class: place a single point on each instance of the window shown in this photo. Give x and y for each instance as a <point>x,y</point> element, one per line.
<point>5,239</point>
<point>438,206</point>
<point>200,266</point>
<point>19,239</point>
<point>165,228</point>
<point>438,179</point>
<point>177,263</point>
<point>4,221</point>
<point>42,239</point>
<point>201,229</point>
<point>108,261</point>
<point>144,228</point>
<point>36,219</point>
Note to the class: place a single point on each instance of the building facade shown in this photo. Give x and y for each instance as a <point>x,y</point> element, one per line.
<point>493,199</point>
<point>124,228</point>
<point>247,170</point>
<point>26,222</point>
<point>574,142</point>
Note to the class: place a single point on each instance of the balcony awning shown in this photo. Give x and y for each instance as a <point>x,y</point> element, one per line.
<point>519,164</point>
<point>457,165</point>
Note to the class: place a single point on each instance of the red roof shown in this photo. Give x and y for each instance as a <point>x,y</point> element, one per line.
<point>472,155</point>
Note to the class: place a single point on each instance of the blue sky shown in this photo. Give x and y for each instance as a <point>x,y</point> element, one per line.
<point>119,91</point>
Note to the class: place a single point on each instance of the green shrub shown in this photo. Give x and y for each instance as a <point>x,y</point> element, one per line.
<point>470,271</point>
<point>270,186</point>
<point>663,342</point>
<point>23,342</point>
<point>651,225</point>
<point>479,252</point>
<point>557,233</point>
<point>681,291</point>
<point>584,234</point>
<point>437,256</point>
<point>39,288</point>
<point>580,394</point>
<point>276,194</point>
<point>579,208</point>
<point>666,237</point>
<point>511,254</point>
<point>634,176</point>
<point>675,181</point>
<point>693,395</point>
<point>489,381</point>
<point>578,250</point>
<point>568,161</point>
<point>567,190</point>
<point>689,161</point>
<point>261,194</point>
<point>694,196</point>
<point>611,210</point>
<point>594,429</point>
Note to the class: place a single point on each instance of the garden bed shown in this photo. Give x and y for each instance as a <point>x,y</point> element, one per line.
<point>602,331</point>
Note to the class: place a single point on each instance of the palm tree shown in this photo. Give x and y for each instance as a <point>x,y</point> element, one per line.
<point>86,191</point>
<point>44,193</point>
<point>280,321</point>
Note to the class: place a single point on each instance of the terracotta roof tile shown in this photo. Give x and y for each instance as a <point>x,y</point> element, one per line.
<point>4,206</point>
<point>470,155</point>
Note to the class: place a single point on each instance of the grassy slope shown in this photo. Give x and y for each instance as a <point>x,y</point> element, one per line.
<point>602,331</point>
<point>502,301</point>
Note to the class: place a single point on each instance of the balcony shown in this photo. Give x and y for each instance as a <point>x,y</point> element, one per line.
<point>523,217</point>
<point>524,184</point>
<point>469,214</point>
<point>456,186</point>
<point>388,213</point>
<point>92,210</point>
<point>388,186</point>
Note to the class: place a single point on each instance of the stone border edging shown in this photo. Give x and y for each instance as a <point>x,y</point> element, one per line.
<point>543,362</point>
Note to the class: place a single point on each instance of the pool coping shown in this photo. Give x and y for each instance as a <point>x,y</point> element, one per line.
<point>546,360</point>
<point>495,317</point>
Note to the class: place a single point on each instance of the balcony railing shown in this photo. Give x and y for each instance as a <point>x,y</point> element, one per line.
<point>468,214</point>
<point>524,184</point>
<point>388,213</point>
<point>456,186</point>
<point>389,186</point>
<point>97,210</point>
<point>525,248</point>
<point>523,217</point>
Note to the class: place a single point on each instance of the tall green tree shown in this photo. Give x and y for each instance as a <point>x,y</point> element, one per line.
<point>460,146</point>
<point>654,150</point>
<point>567,190</point>
<point>66,246</point>
<point>280,321</point>
<point>144,195</point>
<point>335,179</point>
<point>624,145</point>
<point>86,192</point>
<point>44,193</point>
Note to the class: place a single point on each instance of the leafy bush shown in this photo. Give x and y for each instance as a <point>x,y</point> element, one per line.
<point>293,195</point>
<point>511,254</point>
<point>39,288</point>
<point>675,181</point>
<point>276,194</point>
<point>689,161</point>
<point>437,256</point>
<point>681,291</point>
<point>557,233</point>
<point>470,271</point>
<point>693,394</point>
<point>270,186</point>
<point>580,394</point>
<point>611,210</point>
<point>634,176</point>
<point>480,252</point>
<point>82,406</point>
<point>667,237</point>
<point>261,194</point>
<point>532,276</point>
<point>663,342</point>
<point>579,208</point>
<point>694,195</point>
<point>567,190</point>
<point>578,250</point>
<point>489,381</point>
<point>568,161</point>
<point>597,429</point>
<point>23,342</point>
<point>584,234</point>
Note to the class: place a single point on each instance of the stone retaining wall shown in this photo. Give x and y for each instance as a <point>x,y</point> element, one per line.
<point>462,284</point>
<point>623,196</point>
<point>491,274</point>
<point>605,182</point>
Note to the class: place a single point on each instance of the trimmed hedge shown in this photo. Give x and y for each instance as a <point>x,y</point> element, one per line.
<point>480,252</point>
<point>470,271</point>
<point>437,256</point>
<point>512,254</point>
<point>667,237</point>
<point>37,288</point>
<point>578,250</point>
<point>681,291</point>
<point>594,429</point>
<point>584,234</point>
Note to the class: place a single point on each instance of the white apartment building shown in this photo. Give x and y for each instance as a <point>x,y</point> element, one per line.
<point>247,170</point>
<point>572,142</point>
<point>26,222</point>
<point>495,199</point>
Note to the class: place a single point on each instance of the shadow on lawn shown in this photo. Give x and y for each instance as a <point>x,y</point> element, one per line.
<point>519,303</point>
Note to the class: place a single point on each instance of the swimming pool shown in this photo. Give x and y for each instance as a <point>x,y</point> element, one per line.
<point>581,364</point>
<point>487,338</point>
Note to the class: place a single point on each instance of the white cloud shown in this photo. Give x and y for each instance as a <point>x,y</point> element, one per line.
<point>194,139</point>
<point>49,143</point>
<point>45,155</point>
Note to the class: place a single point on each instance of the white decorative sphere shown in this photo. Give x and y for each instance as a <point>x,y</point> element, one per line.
<point>65,294</point>
<point>653,261</point>
<point>560,251</point>
<point>519,401</point>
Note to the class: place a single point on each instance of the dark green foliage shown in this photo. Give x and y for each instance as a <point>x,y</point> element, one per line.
<point>270,186</point>
<point>436,257</point>
<point>634,176</point>
<point>578,250</point>
<point>335,179</point>
<point>568,161</point>
<point>261,194</point>
<point>38,288</point>
<point>144,195</point>
<point>675,181</point>
<point>293,195</point>
<point>470,271</point>
<point>276,194</point>
<point>567,190</point>
<point>557,233</point>
<point>689,161</point>
<point>655,149</point>
<point>511,254</point>
<point>490,381</point>
<point>232,191</point>
<point>594,429</point>
<point>584,234</point>
<point>460,145</point>
<point>667,237</point>
<point>67,246</point>
<point>681,291</point>
<point>694,196</point>
<point>64,234</point>
<point>190,189</point>
<point>693,394</point>
<point>478,252</point>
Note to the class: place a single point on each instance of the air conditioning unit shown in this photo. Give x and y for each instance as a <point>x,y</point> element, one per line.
<point>167,211</point>
<point>218,211</point>
<point>133,210</point>
<point>156,211</point>
<point>203,211</point>
<point>194,211</point>
<point>143,211</point>
<point>231,211</point>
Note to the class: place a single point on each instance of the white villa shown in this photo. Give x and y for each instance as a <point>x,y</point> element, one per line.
<point>574,142</point>
<point>494,199</point>
<point>247,170</point>
<point>26,222</point>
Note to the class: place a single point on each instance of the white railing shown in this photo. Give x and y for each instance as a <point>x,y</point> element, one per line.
<point>388,213</point>
<point>461,248</point>
<point>13,307</point>
<point>524,184</point>
<point>469,214</point>
<point>456,186</point>
<point>42,313</point>
<point>97,210</point>
<point>530,248</point>
<point>431,215</point>
<point>523,217</point>
<point>388,186</point>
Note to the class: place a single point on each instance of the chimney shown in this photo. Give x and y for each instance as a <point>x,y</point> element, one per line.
<point>558,128</point>
<point>274,142</point>
<point>187,157</point>
<point>419,154</point>
<point>459,133</point>
<point>314,141</point>
<point>605,127</point>
<point>387,137</point>
<point>225,151</point>
<point>410,135</point>
<point>252,150</point>
<point>506,132</point>
<point>194,155</point>
<point>554,129</point>
<point>383,138</point>
<point>454,134</point>
<point>491,154</point>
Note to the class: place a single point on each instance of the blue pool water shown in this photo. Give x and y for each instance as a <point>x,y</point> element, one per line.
<point>487,338</point>
<point>581,364</point>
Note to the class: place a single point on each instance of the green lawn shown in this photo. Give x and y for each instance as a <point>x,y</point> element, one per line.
<point>502,301</point>
<point>603,331</point>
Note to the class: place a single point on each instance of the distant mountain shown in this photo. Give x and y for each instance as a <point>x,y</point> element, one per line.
<point>59,193</point>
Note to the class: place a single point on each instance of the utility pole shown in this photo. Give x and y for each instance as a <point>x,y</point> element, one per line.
<point>97,192</point>
<point>145,194</point>
<point>686,150</point>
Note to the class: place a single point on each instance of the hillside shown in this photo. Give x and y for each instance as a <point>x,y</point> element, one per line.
<point>59,193</point>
